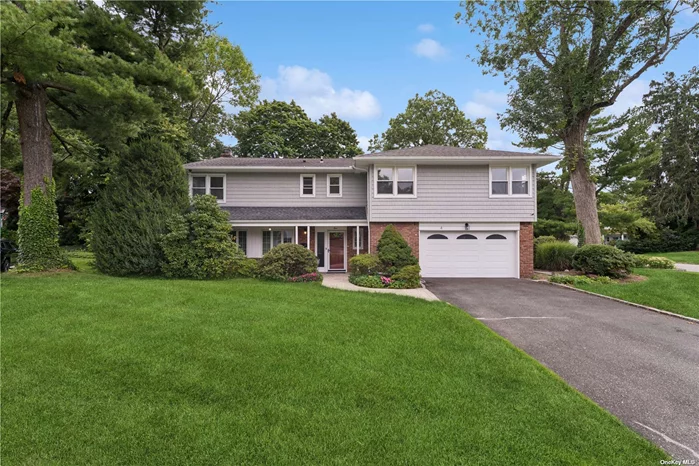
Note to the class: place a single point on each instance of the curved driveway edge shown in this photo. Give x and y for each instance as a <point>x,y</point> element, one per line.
<point>641,366</point>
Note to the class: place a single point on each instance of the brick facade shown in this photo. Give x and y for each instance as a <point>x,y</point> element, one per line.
<point>526,250</point>
<point>410,231</point>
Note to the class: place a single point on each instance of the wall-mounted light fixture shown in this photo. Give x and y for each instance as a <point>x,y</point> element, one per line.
<point>466,227</point>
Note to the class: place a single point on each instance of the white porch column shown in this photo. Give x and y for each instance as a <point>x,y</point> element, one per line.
<point>296,234</point>
<point>308,237</point>
<point>357,236</point>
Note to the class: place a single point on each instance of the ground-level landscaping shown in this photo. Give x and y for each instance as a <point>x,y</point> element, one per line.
<point>101,370</point>
<point>670,290</point>
<point>684,257</point>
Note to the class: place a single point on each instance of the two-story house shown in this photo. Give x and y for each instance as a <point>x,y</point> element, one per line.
<point>465,212</point>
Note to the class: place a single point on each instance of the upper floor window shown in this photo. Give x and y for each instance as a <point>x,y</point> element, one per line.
<point>509,181</point>
<point>395,181</point>
<point>209,184</point>
<point>334,185</point>
<point>308,185</point>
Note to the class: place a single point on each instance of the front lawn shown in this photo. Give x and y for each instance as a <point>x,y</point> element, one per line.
<point>685,257</point>
<point>670,290</point>
<point>101,370</point>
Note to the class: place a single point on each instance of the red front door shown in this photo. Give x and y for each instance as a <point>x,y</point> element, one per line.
<point>337,250</point>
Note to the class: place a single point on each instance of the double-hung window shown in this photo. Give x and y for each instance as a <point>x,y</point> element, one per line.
<point>509,181</point>
<point>272,238</point>
<point>308,185</point>
<point>334,185</point>
<point>357,241</point>
<point>395,181</point>
<point>241,239</point>
<point>209,184</point>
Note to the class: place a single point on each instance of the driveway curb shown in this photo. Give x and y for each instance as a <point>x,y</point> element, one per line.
<point>648,308</point>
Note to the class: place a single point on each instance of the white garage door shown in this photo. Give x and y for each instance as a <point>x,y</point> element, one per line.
<point>468,253</point>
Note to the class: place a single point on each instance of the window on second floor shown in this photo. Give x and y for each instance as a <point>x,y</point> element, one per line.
<point>209,184</point>
<point>395,181</point>
<point>334,185</point>
<point>308,185</point>
<point>509,181</point>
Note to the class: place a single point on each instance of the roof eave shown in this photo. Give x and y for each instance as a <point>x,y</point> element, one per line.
<point>270,169</point>
<point>539,160</point>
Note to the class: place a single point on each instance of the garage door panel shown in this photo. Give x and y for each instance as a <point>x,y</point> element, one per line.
<point>479,257</point>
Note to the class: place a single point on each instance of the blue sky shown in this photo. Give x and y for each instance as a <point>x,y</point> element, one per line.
<point>364,60</point>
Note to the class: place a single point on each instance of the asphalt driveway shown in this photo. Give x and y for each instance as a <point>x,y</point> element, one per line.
<point>641,366</point>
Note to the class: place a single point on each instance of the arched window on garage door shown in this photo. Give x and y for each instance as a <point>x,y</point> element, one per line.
<point>496,236</point>
<point>437,237</point>
<point>466,236</point>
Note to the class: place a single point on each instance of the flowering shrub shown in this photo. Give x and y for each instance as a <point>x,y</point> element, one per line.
<point>306,277</point>
<point>386,281</point>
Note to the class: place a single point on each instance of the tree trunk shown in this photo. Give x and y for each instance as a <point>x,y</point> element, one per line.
<point>584,189</point>
<point>34,138</point>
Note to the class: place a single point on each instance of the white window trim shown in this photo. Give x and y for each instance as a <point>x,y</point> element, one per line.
<point>328,185</point>
<point>354,238</point>
<point>237,239</point>
<point>208,183</point>
<point>395,182</point>
<point>271,232</point>
<point>301,177</point>
<point>509,182</point>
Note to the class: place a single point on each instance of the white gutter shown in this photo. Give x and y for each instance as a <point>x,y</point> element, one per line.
<point>452,160</point>
<point>309,168</point>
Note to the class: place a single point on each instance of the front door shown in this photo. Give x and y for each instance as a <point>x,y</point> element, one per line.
<point>336,242</point>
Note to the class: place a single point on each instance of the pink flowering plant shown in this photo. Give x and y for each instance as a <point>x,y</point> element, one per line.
<point>386,281</point>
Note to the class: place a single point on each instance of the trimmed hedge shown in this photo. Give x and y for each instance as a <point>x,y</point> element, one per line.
<point>407,277</point>
<point>666,241</point>
<point>556,255</point>
<point>653,262</point>
<point>602,259</point>
<point>38,232</point>
<point>364,264</point>
<point>286,261</point>
<point>393,251</point>
<point>199,245</point>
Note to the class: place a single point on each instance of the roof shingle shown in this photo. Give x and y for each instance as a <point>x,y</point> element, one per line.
<point>295,213</point>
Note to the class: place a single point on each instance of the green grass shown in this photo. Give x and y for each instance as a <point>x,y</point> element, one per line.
<point>685,257</point>
<point>670,290</point>
<point>102,370</point>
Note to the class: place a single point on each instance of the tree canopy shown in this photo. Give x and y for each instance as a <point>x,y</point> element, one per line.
<point>431,119</point>
<point>282,129</point>
<point>568,60</point>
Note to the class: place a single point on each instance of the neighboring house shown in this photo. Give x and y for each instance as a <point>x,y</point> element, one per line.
<point>465,212</point>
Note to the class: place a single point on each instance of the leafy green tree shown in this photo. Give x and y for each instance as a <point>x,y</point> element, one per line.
<point>147,188</point>
<point>431,119</point>
<point>553,197</point>
<point>673,105</point>
<point>567,61</point>
<point>625,217</point>
<point>336,137</point>
<point>282,129</point>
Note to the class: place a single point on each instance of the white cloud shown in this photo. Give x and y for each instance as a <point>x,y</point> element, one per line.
<point>364,143</point>
<point>426,28</point>
<point>430,48</point>
<point>313,90</point>
<point>630,97</point>
<point>485,104</point>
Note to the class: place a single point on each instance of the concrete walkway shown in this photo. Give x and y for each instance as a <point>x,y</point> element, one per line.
<point>340,281</point>
<point>688,267</point>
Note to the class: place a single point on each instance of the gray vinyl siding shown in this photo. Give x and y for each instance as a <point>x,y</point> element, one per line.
<point>452,193</point>
<point>283,190</point>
